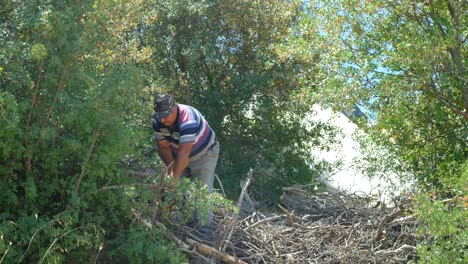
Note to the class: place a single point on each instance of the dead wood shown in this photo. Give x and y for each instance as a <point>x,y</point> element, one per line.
<point>388,218</point>
<point>326,228</point>
<point>185,246</point>
<point>239,205</point>
<point>387,253</point>
<point>307,228</point>
<point>210,251</point>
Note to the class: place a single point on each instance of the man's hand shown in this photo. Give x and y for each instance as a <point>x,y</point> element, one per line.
<point>170,169</point>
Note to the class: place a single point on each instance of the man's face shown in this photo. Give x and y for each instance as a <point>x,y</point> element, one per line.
<point>170,119</point>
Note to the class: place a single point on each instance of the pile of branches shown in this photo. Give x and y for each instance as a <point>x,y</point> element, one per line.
<point>327,228</point>
<point>306,228</point>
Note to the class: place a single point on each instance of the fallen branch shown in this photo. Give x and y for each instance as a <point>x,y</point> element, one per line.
<point>179,243</point>
<point>410,219</point>
<point>223,245</point>
<point>113,187</point>
<point>186,246</point>
<point>210,251</point>
<point>385,220</point>
<point>387,253</point>
<point>342,233</point>
<point>271,219</point>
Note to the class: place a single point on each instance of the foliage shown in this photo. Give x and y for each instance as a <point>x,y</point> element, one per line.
<point>405,62</point>
<point>64,118</point>
<point>181,203</point>
<point>225,58</point>
<point>77,79</point>
<point>444,226</point>
<point>142,245</point>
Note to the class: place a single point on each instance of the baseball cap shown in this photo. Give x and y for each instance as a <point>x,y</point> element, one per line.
<point>163,104</point>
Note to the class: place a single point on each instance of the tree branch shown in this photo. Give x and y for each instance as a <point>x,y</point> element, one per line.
<point>186,246</point>
<point>88,157</point>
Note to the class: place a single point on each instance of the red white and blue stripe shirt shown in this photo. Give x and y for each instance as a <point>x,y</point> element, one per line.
<point>190,126</point>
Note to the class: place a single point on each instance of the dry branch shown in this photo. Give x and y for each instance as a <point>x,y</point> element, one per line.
<point>385,220</point>
<point>387,253</point>
<point>326,228</point>
<point>309,228</point>
<point>190,243</point>
<point>239,205</point>
<point>210,251</point>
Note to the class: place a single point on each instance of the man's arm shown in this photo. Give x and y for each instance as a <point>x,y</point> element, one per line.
<point>182,159</point>
<point>165,153</point>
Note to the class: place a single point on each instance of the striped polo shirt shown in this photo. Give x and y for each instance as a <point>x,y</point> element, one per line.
<point>190,126</point>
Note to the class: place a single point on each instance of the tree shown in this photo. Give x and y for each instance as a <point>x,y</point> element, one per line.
<point>69,97</point>
<point>226,58</point>
<point>404,61</point>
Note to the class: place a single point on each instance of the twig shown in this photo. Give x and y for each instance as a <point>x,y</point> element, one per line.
<point>88,157</point>
<point>141,175</point>
<point>56,239</point>
<point>113,187</point>
<point>221,185</point>
<point>32,238</point>
<point>349,236</point>
<point>49,113</point>
<point>185,247</point>
<point>36,89</point>
<point>386,253</point>
<point>97,255</point>
<point>239,204</point>
<point>403,220</point>
<point>271,219</point>
<point>261,242</point>
<point>6,252</point>
<point>385,220</point>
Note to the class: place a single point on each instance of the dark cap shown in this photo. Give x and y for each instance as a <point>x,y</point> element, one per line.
<point>163,104</point>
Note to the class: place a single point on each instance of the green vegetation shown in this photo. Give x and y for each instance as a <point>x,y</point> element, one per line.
<point>406,61</point>
<point>77,80</point>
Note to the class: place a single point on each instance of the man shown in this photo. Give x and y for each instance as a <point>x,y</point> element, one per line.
<point>186,142</point>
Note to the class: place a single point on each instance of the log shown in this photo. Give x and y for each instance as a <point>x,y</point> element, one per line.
<point>210,251</point>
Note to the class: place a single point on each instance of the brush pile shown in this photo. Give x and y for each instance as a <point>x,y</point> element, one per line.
<point>326,228</point>
<point>305,228</point>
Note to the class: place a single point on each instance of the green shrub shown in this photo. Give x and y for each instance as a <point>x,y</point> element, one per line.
<point>444,228</point>
<point>143,245</point>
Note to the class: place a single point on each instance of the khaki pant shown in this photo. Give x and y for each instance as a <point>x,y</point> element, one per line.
<point>203,169</point>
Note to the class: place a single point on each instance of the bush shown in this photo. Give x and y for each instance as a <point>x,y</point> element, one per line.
<point>444,228</point>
